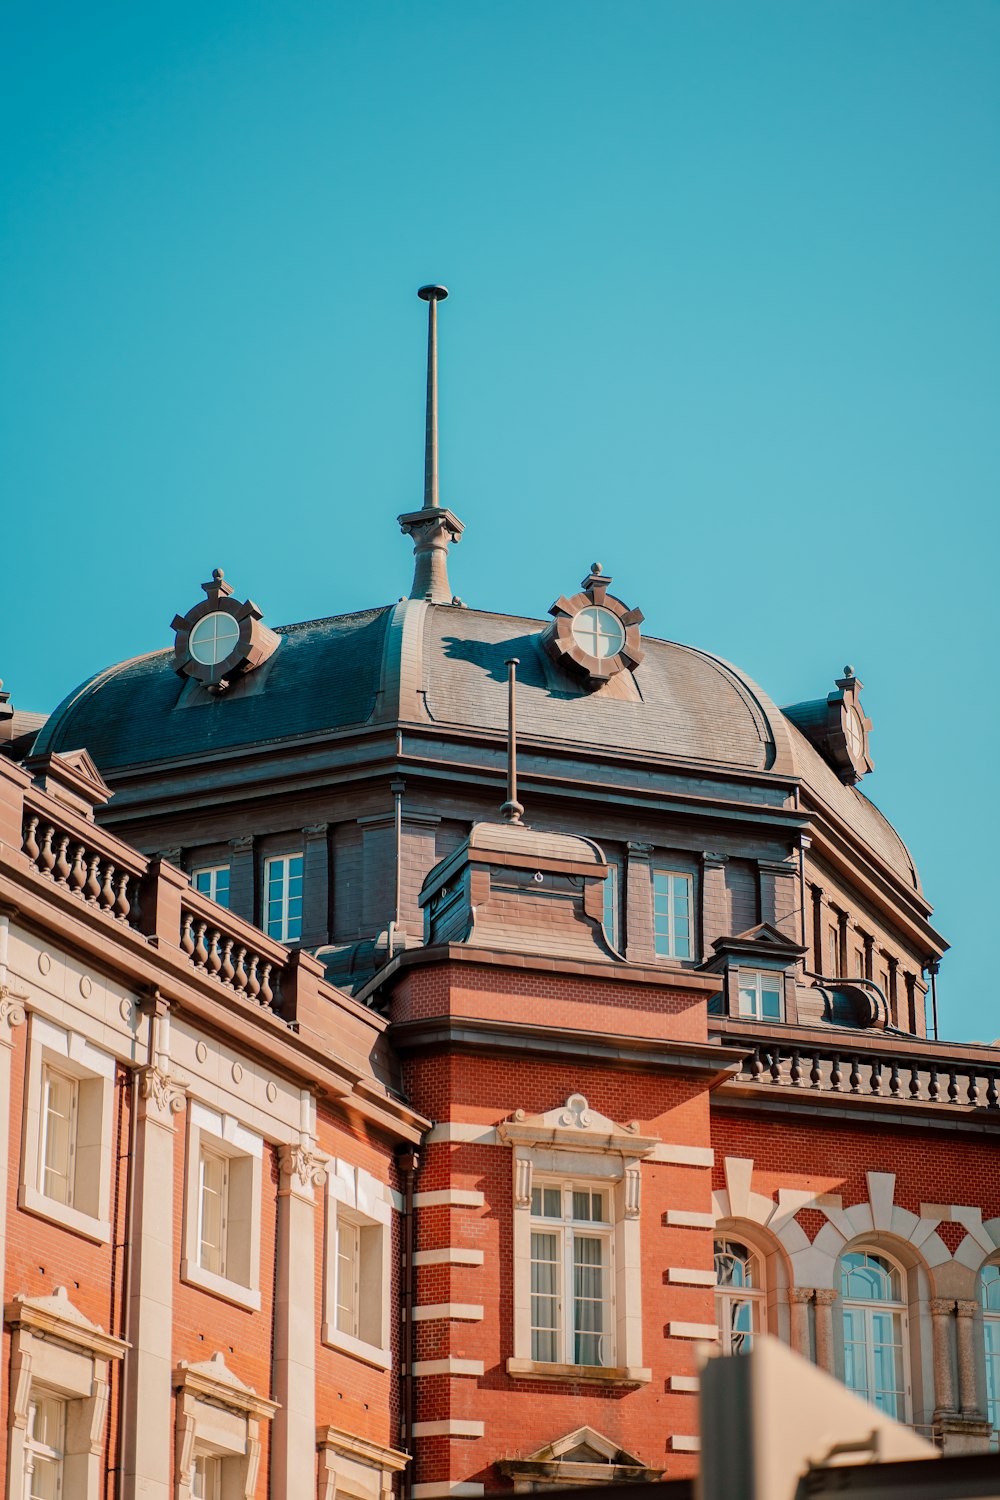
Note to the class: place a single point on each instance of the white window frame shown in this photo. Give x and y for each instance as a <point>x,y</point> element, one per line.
<point>58,1354</point>
<point>726,1295</point>
<point>284,933</point>
<point>358,1203</point>
<point>219,1135</point>
<point>53,1050</point>
<point>576,1144</point>
<point>991,1353</point>
<point>896,1309</point>
<point>35,1450</point>
<point>566,1229</point>
<point>213,872</point>
<point>669,938</point>
<point>747,979</point>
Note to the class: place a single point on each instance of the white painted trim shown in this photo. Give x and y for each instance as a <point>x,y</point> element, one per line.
<point>442,1489</point>
<point>468,1312</point>
<point>688,1383</point>
<point>682,1444</point>
<point>449,1366</point>
<point>450,1198</point>
<point>707,1331</point>
<point>682,1156</point>
<point>689,1277</point>
<point>469,1135</point>
<point>453,1427</point>
<point>453,1255</point>
<point>678,1218</point>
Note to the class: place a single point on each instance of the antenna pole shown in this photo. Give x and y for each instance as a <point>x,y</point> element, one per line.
<point>512,809</point>
<point>432,295</point>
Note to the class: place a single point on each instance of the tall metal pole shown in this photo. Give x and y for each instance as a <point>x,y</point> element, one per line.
<point>432,295</point>
<point>511,810</point>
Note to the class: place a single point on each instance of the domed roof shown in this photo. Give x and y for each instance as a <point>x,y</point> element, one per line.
<point>416,662</point>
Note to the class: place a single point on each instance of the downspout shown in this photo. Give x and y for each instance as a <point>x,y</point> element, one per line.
<point>932,969</point>
<point>123,1081</point>
<point>408,1162</point>
<point>133,1130</point>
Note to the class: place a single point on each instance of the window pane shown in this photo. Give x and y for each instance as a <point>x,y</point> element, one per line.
<point>772,1004</point>
<point>348,1291</point>
<point>748,1000</point>
<point>588,1300</point>
<point>59,1098</point>
<point>545,1297</point>
<point>552,1201</point>
<point>212,1240</point>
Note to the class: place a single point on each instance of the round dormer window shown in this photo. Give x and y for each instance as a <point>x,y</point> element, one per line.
<point>598,632</point>
<point>854,731</point>
<point>214,638</point>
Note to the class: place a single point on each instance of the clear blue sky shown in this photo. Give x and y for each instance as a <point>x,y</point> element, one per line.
<point>725,315</point>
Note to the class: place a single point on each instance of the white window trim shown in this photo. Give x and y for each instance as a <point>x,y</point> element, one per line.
<point>224,1136</point>
<point>744,976</point>
<point>900,1309</point>
<point>73,1055</point>
<point>57,1352</point>
<point>213,871</point>
<point>354,1466</point>
<point>673,957</point>
<point>219,1417</point>
<point>282,859</point>
<point>575,1142</point>
<point>355,1195</point>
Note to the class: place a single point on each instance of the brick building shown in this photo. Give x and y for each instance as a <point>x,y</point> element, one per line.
<point>366,1131</point>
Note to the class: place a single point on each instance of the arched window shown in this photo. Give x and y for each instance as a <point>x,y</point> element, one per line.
<point>739,1295</point>
<point>874,1305</point>
<point>989,1293</point>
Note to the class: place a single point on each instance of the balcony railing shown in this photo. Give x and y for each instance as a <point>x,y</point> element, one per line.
<point>906,1073</point>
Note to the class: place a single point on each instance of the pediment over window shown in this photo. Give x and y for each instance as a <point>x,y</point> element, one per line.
<point>583,1456</point>
<point>572,1126</point>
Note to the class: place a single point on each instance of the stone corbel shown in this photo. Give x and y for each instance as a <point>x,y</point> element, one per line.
<point>633,1181</point>
<point>522,1181</point>
<point>300,1162</point>
<point>166,1093</point>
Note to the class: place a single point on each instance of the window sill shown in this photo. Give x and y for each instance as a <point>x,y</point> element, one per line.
<point>530,1369</point>
<point>34,1202</point>
<point>220,1286</point>
<point>348,1344</point>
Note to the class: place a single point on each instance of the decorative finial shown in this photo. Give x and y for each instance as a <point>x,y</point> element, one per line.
<point>434,527</point>
<point>512,809</point>
<point>848,671</point>
<point>218,575</point>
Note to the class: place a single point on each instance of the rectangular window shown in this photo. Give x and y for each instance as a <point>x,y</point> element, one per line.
<point>57,1157</point>
<point>206,1482</point>
<point>45,1448</point>
<point>213,881</point>
<point>213,1212</point>
<point>760,995</point>
<point>672,914</point>
<point>833,951</point>
<point>348,1276</point>
<point>571,1251</point>
<point>283,897</point>
<point>611,924</point>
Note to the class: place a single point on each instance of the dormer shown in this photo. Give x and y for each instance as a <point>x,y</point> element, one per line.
<point>758,971</point>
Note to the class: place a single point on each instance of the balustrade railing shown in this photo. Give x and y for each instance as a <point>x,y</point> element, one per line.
<point>103,873</point>
<point>898,1076</point>
<point>238,955</point>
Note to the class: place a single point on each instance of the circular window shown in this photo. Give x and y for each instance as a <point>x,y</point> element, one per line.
<point>598,632</point>
<point>214,638</point>
<point>855,734</point>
